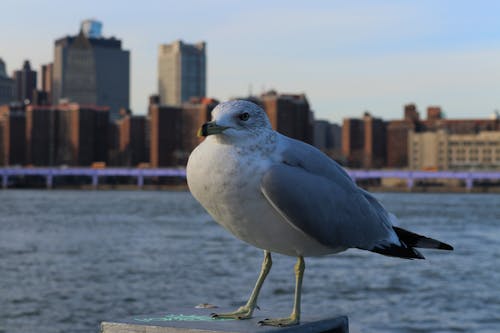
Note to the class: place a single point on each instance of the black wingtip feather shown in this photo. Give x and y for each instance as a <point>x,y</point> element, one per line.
<point>412,239</point>
<point>398,251</point>
<point>409,241</point>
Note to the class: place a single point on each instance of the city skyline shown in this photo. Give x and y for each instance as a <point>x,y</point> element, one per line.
<point>347,58</point>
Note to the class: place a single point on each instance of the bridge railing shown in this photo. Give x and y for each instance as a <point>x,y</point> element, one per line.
<point>50,173</point>
<point>408,175</point>
<point>411,175</point>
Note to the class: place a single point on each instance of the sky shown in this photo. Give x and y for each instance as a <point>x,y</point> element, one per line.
<point>346,56</point>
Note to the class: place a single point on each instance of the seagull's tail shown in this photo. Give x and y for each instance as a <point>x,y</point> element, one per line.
<point>409,241</point>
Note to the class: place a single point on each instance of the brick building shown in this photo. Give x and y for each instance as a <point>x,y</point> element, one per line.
<point>128,141</point>
<point>289,114</point>
<point>397,137</point>
<point>427,134</point>
<point>12,134</point>
<point>82,133</point>
<point>364,142</point>
<point>165,132</point>
<point>67,134</point>
<point>374,155</point>
<point>40,135</point>
<point>353,140</point>
<point>194,114</point>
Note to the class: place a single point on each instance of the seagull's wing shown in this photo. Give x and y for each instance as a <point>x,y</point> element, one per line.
<point>315,195</point>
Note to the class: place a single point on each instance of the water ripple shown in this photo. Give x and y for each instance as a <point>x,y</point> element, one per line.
<point>70,259</point>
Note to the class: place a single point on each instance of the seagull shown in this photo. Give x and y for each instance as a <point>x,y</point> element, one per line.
<point>285,196</point>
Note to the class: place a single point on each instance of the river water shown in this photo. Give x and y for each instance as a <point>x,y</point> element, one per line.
<point>71,259</point>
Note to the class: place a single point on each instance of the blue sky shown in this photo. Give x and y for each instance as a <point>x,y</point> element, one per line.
<point>347,56</point>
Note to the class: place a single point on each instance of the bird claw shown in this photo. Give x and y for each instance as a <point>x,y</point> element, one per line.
<point>242,313</point>
<point>261,322</point>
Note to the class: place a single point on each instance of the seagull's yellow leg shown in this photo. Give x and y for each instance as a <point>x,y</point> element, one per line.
<point>246,311</point>
<point>294,318</point>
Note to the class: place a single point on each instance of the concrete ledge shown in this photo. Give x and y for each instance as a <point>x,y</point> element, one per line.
<point>199,321</point>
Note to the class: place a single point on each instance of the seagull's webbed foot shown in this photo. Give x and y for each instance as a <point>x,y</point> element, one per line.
<point>294,318</point>
<point>281,322</point>
<point>244,312</point>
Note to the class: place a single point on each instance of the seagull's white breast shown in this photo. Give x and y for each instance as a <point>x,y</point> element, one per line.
<point>225,179</point>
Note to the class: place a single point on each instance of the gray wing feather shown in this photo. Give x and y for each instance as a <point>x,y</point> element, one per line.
<point>316,196</point>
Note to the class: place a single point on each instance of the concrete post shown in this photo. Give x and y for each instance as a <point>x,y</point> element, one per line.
<point>5,181</point>
<point>95,181</point>
<point>409,183</point>
<point>469,183</point>
<point>199,320</point>
<point>49,181</point>
<point>140,181</point>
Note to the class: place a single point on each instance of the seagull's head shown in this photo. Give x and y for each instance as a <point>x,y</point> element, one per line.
<point>237,119</point>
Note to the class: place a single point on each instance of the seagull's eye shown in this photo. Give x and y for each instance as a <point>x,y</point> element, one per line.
<point>244,116</point>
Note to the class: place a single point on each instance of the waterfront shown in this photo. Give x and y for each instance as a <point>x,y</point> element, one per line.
<point>70,259</point>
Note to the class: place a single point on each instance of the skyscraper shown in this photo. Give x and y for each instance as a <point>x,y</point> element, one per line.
<point>181,72</point>
<point>25,83</point>
<point>46,71</point>
<point>93,70</point>
<point>6,85</point>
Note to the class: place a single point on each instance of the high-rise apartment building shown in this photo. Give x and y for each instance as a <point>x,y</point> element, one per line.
<point>397,137</point>
<point>327,135</point>
<point>165,131</point>
<point>364,141</point>
<point>91,70</point>
<point>128,141</point>
<point>67,134</point>
<point>181,72</point>
<point>41,123</point>
<point>12,134</point>
<point>82,134</point>
<point>375,142</point>
<point>6,85</point>
<point>25,83</point>
<point>194,114</point>
<point>353,140</point>
<point>289,114</point>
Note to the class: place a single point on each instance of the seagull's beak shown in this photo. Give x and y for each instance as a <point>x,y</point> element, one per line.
<point>211,128</point>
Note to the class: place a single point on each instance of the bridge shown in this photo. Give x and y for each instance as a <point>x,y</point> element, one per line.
<point>412,175</point>
<point>408,175</point>
<point>50,173</point>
